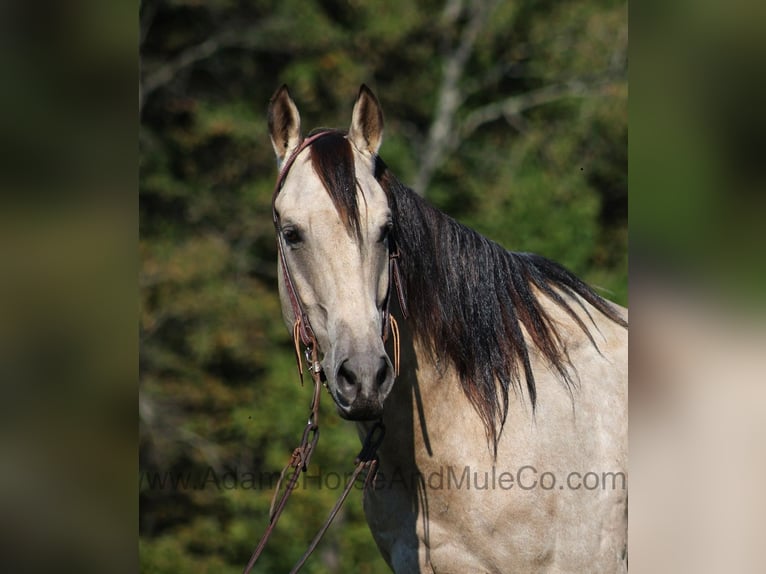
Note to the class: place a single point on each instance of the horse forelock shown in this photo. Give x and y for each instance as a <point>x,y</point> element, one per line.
<point>333,161</point>
<point>471,301</point>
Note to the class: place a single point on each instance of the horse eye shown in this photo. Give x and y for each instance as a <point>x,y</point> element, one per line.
<point>292,236</point>
<point>385,231</point>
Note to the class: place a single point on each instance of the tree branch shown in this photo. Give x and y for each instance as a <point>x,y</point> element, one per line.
<point>252,37</point>
<point>450,95</point>
<point>510,108</point>
<point>514,105</point>
<point>167,72</point>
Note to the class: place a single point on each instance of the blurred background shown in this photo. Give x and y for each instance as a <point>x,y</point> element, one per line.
<point>697,283</point>
<point>509,116</point>
<point>533,98</point>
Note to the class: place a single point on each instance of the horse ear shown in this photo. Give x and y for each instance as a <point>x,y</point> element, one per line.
<point>366,131</point>
<point>284,124</point>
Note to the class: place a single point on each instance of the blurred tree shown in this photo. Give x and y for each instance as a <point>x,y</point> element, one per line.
<point>510,116</point>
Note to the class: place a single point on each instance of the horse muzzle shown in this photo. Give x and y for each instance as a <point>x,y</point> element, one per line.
<point>360,385</point>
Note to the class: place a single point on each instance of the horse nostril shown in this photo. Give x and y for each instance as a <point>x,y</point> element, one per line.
<point>382,375</point>
<point>346,377</point>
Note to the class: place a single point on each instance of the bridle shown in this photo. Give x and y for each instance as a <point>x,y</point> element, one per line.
<point>302,326</point>
<point>367,459</point>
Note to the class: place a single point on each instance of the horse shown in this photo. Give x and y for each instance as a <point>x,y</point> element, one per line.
<point>505,406</point>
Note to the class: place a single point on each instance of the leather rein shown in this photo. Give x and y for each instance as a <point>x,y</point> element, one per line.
<point>304,334</point>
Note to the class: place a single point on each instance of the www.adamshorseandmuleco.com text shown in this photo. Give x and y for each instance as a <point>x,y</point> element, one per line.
<point>524,478</point>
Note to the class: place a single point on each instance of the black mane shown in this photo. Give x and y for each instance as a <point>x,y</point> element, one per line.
<point>468,297</point>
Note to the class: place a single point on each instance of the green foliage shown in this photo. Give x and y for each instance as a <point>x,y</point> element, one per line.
<point>219,396</point>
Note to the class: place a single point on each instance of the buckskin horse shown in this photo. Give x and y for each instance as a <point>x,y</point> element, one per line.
<point>506,425</point>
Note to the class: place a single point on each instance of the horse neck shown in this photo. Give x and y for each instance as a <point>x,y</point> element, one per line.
<point>427,401</point>
<point>425,385</point>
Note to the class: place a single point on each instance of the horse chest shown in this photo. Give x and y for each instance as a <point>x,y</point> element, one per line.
<point>420,528</point>
<point>448,511</point>
<point>443,503</point>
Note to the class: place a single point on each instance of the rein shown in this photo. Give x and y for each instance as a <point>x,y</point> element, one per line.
<point>367,459</point>
<point>299,461</point>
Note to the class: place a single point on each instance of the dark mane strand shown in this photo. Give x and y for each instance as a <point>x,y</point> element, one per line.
<point>471,300</point>
<point>333,161</point>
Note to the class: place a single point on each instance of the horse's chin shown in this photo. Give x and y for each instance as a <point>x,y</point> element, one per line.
<point>361,410</point>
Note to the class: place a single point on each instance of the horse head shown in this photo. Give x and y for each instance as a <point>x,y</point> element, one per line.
<point>333,225</point>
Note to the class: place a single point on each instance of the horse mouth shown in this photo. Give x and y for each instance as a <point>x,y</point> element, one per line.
<point>362,409</point>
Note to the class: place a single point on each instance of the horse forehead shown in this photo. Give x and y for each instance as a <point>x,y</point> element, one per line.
<point>304,193</point>
<point>302,189</point>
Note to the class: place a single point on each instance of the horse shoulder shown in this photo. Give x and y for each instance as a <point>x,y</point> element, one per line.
<point>578,433</point>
